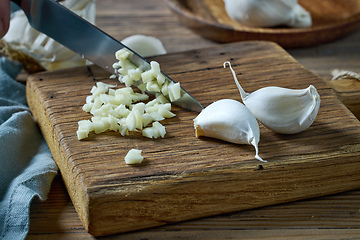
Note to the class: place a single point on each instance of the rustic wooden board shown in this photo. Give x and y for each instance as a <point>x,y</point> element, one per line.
<point>347,91</point>
<point>184,177</point>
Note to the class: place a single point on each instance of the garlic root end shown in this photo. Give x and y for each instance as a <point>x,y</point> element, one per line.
<point>199,131</point>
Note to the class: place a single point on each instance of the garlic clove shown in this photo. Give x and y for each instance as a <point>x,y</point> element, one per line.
<point>144,45</point>
<point>231,121</point>
<point>283,110</point>
<point>300,18</point>
<point>268,13</point>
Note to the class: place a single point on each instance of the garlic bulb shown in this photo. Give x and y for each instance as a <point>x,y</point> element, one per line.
<point>44,50</point>
<point>228,120</point>
<point>268,13</point>
<point>282,110</point>
<point>144,45</point>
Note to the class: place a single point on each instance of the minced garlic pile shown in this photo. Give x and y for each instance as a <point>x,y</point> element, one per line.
<point>151,80</point>
<point>123,110</point>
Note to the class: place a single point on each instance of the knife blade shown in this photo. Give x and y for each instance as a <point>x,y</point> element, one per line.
<point>82,37</point>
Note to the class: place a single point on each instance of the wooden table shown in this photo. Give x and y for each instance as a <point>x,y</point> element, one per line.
<point>330,217</point>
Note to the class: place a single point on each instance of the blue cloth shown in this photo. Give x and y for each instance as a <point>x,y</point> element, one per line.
<point>26,165</point>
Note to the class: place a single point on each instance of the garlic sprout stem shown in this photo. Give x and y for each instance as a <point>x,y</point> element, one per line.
<point>243,94</point>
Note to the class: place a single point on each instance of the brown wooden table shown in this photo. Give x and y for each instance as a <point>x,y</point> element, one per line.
<point>329,217</point>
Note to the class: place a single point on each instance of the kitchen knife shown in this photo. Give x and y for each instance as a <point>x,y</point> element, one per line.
<point>77,34</point>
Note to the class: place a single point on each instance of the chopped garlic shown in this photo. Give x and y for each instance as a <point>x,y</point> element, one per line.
<point>157,130</point>
<point>150,132</point>
<point>134,157</point>
<point>135,74</point>
<point>122,109</point>
<point>147,76</point>
<point>85,125</point>
<point>152,86</point>
<point>174,91</point>
<point>157,116</point>
<point>131,121</point>
<point>81,134</point>
<point>152,80</point>
<point>122,54</point>
<point>123,112</point>
<point>161,129</point>
<point>127,80</point>
<point>146,119</point>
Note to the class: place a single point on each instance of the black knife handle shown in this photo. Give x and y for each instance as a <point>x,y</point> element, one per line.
<point>18,2</point>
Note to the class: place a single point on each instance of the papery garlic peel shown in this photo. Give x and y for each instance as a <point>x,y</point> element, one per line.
<point>283,110</point>
<point>268,13</point>
<point>51,55</point>
<point>231,121</point>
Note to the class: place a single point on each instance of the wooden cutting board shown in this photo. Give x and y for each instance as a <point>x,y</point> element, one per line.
<point>184,177</point>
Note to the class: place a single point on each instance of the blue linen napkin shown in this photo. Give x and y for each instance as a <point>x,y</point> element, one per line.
<point>26,165</point>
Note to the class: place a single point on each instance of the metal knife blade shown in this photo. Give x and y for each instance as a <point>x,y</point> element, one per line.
<point>77,34</point>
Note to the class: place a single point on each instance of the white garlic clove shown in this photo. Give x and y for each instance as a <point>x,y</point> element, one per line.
<point>283,110</point>
<point>268,13</point>
<point>144,45</point>
<point>231,121</point>
<point>300,18</point>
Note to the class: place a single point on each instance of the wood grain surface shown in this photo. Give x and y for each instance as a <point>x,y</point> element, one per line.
<point>347,90</point>
<point>184,177</point>
<point>329,217</point>
<point>331,19</point>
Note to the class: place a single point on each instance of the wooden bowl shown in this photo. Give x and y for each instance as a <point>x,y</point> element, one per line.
<point>332,19</point>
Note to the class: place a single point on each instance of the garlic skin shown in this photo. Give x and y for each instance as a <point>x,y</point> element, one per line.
<point>44,50</point>
<point>283,110</point>
<point>231,121</point>
<point>268,13</point>
<point>144,45</point>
